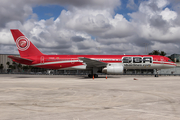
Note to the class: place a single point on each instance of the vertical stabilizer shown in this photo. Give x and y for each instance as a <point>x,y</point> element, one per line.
<point>25,47</point>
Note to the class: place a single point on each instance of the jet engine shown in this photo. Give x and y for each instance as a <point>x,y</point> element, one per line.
<point>113,68</point>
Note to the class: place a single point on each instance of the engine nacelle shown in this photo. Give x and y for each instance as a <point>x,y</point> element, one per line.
<point>113,68</point>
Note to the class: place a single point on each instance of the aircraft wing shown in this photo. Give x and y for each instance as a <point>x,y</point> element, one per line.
<point>21,60</point>
<point>92,63</point>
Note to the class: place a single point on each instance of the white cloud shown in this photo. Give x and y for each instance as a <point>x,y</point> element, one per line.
<point>168,14</point>
<point>13,11</point>
<point>131,5</point>
<point>162,3</point>
<point>6,37</point>
<point>92,26</point>
<point>92,21</point>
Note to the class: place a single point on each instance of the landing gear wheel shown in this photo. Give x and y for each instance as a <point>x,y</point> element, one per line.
<point>95,75</point>
<point>156,75</point>
<point>90,75</point>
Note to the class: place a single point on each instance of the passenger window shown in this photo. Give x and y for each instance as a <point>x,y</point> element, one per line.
<point>127,60</point>
<point>137,60</point>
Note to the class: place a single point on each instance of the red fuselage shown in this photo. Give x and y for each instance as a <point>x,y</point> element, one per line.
<point>73,61</point>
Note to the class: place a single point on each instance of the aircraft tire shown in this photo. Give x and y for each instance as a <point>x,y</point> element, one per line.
<point>90,75</point>
<point>156,75</point>
<point>95,75</point>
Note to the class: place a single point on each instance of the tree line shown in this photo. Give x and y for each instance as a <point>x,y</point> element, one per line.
<point>19,68</point>
<point>162,53</point>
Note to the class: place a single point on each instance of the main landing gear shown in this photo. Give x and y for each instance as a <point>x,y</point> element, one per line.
<point>156,73</point>
<point>91,75</point>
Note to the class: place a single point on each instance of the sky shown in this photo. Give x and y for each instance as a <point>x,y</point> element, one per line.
<point>112,27</point>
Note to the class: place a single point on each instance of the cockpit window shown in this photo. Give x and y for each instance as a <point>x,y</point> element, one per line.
<point>170,60</point>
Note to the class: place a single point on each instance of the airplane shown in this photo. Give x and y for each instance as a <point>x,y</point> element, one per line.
<point>109,64</point>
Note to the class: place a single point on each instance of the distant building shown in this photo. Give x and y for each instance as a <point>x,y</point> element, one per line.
<point>4,59</point>
<point>175,57</point>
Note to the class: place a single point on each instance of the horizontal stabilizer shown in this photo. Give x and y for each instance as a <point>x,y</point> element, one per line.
<point>21,60</point>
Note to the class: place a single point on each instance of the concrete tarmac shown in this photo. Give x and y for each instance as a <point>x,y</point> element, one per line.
<point>58,97</point>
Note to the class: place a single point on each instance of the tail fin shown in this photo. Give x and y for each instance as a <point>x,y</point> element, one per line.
<point>25,47</point>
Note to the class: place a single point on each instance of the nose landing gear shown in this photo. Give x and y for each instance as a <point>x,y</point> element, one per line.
<point>156,73</point>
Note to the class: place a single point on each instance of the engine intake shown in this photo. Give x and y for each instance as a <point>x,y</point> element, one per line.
<point>113,68</point>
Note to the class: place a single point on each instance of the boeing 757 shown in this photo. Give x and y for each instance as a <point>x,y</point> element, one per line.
<point>109,64</point>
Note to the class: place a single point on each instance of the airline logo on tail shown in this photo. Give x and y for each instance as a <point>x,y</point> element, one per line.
<point>22,43</point>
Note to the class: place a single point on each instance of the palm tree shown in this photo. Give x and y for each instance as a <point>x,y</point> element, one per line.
<point>10,66</point>
<point>8,63</point>
<point>25,68</point>
<point>177,60</point>
<point>162,53</point>
<point>171,58</point>
<point>155,52</point>
<point>19,66</point>
<point>1,67</point>
<point>14,66</point>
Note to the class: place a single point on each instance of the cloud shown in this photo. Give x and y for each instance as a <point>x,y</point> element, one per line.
<point>131,5</point>
<point>13,11</point>
<point>168,14</point>
<point>91,21</point>
<point>157,24</point>
<point>92,27</point>
<point>19,10</point>
<point>161,3</point>
<point>121,28</point>
<point>93,4</point>
<point>77,38</point>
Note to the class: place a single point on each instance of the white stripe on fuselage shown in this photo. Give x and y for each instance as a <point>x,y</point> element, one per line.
<point>57,62</point>
<point>79,67</point>
<point>142,65</point>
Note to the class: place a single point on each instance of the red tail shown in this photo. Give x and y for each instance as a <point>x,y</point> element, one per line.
<point>25,47</point>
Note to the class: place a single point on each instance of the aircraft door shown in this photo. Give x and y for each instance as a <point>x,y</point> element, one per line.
<point>72,61</point>
<point>42,59</point>
<point>162,60</point>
